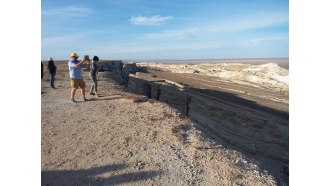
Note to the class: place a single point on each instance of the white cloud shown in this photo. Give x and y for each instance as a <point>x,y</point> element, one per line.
<point>237,24</point>
<point>152,20</point>
<point>258,41</point>
<point>68,11</point>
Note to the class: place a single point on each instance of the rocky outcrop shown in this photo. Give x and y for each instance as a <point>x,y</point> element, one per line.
<point>248,129</point>
<point>241,123</point>
<point>118,70</point>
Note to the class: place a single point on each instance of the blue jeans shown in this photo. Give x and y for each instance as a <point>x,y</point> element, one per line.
<point>52,80</point>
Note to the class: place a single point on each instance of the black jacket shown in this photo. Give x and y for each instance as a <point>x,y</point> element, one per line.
<point>51,68</point>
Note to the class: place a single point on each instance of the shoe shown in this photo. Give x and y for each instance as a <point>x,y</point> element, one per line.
<point>91,93</point>
<point>53,87</point>
<point>73,101</point>
<point>97,95</point>
<point>86,99</point>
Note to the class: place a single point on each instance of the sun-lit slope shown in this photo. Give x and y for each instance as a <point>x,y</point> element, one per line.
<point>269,75</point>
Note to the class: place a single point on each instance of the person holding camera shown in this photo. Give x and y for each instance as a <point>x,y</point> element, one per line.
<point>76,78</point>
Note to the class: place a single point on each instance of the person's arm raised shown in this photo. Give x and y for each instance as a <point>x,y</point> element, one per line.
<point>79,64</point>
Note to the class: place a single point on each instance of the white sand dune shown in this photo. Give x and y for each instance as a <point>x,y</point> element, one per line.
<point>269,75</point>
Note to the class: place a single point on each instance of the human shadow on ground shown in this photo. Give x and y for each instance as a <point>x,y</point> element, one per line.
<point>104,98</point>
<point>93,176</point>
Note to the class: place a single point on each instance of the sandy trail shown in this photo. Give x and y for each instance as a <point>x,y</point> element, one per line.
<point>124,139</point>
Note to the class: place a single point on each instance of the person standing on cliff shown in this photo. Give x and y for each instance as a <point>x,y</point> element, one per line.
<point>42,70</point>
<point>92,75</point>
<point>76,78</point>
<point>52,71</point>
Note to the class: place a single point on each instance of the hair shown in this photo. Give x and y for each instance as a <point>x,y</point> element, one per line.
<point>50,63</point>
<point>95,58</point>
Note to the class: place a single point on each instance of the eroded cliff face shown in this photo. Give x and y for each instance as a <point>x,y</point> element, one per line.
<point>260,132</point>
<point>118,70</point>
<point>243,124</point>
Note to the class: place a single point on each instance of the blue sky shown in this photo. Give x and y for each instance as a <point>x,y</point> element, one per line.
<point>171,29</point>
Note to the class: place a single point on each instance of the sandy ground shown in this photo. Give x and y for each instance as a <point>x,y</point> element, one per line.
<point>125,139</point>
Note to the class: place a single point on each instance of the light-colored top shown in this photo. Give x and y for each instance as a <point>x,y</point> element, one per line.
<point>75,72</point>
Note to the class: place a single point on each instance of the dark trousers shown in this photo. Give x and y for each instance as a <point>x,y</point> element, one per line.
<point>52,80</point>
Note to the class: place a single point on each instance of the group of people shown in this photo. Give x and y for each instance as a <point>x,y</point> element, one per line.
<point>76,79</point>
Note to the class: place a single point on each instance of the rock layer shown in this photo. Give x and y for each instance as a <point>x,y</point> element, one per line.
<point>242,124</point>
<point>250,130</point>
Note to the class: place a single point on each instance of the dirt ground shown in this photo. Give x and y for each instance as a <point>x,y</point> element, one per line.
<point>124,139</point>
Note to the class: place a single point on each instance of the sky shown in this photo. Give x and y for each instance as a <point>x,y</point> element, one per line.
<point>309,66</point>
<point>171,29</point>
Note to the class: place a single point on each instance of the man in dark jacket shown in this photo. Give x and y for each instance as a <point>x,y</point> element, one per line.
<point>52,71</point>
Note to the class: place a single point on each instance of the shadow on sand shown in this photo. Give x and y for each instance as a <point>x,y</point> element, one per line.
<point>106,98</point>
<point>93,176</point>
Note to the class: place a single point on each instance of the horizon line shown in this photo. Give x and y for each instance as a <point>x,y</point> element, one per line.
<point>200,59</point>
